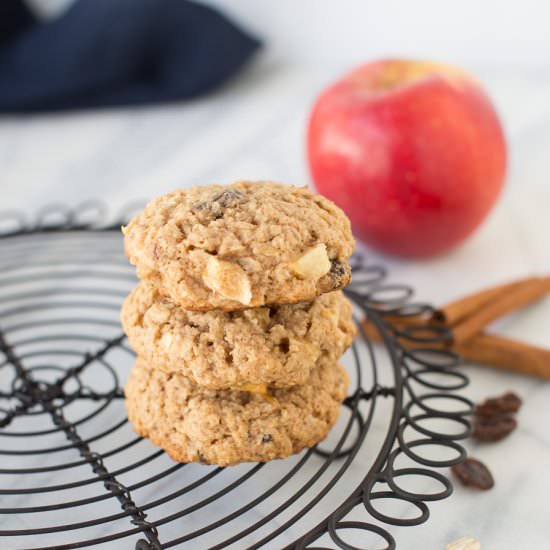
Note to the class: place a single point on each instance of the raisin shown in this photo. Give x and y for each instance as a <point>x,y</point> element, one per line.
<point>494,418</point>
<point>507,403</point>
<point>267,438</point>
<point>284,345</point>
<point>493,428</point>
<point>473,473</point>
<point>339,273</point>
<point>201,458</point>
<point>214,206</point>
<point>228,198</point>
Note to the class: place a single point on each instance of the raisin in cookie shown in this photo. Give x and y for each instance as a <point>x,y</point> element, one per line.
<point>195,424</point>
<point>244,245</point>
<point>275,346</point>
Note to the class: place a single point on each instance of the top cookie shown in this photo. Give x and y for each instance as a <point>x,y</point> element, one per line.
<point>243,245</point>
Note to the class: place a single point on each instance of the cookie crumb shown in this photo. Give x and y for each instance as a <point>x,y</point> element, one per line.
<point>464,543</point>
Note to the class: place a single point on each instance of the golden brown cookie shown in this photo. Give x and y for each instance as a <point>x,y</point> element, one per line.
<point>276,346</point>
<point>194,424</point>
<point>243,245</point>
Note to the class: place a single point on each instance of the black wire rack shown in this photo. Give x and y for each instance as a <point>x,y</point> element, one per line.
<point>73,474</point>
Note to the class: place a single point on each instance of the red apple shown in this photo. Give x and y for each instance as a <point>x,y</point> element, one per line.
<point>412,151</point>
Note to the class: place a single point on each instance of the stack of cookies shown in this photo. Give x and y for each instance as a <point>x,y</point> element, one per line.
<point>238,321</point>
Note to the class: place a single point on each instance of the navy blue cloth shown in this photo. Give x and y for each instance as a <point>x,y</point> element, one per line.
<point>116,52</point>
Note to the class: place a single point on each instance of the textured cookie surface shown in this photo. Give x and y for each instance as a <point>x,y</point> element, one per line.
<point>276,346</point>
<point>244,245</point>
<point>194,424</point>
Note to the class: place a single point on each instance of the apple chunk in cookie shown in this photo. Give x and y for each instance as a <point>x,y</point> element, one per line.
<point>313,263</point>
<point>228,280</point>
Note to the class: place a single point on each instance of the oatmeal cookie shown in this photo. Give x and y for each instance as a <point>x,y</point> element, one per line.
<point>195,424</point>
<point>276,346</point>
<point>244,245</point>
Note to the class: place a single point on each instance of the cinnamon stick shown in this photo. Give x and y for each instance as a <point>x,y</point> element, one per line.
<point>468,317</point>
<point>457,311</point>
<point>505,353</point>
<point>488,349</point>
<point>523,295</point>
<point>374,336</point>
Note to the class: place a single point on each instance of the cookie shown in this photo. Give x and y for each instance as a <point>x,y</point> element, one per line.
<point>195,424</point>
<point>276,346</point>
<point>244,245</point>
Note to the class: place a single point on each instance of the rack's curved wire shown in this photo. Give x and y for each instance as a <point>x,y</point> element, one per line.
<point>422,375</point>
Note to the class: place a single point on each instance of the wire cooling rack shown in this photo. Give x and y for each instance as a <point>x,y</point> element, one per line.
<point>74,475</point>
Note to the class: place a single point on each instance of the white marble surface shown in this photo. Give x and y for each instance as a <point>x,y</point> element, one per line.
<point>254,128</point>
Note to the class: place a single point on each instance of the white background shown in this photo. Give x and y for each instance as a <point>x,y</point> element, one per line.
<point>501,32</point>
